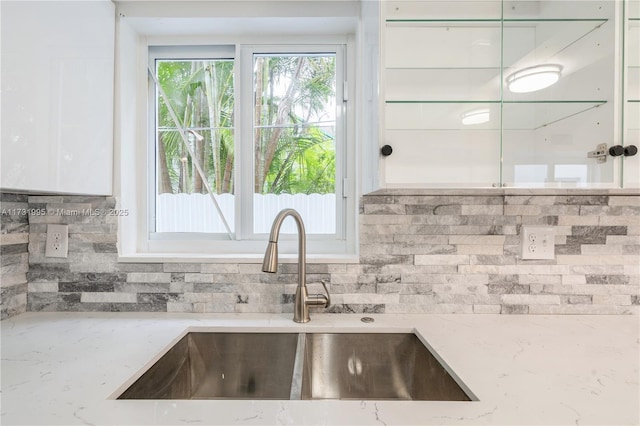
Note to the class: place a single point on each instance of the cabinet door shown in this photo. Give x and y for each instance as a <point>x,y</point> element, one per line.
<point>631,164</point>
<point>57,96</point>
<point>442,94</point>
<point>455,118</point>
<point>548,132</point>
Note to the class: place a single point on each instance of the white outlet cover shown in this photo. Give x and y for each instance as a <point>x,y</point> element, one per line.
<point>57,244</point>
<point>537,242</point>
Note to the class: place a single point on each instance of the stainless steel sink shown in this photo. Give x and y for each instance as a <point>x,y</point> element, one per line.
<point>221,365</point>
<point>374,366</point>
<point>204,365</point>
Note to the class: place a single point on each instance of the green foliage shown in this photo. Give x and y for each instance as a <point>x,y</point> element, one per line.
<point>294,138</point>
<point>296,147</point>
<point>303,164</point>
<point>207,112</point>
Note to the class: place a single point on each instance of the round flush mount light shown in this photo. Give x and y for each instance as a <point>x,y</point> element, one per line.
<point>476,116</point>
<point>534,78</point>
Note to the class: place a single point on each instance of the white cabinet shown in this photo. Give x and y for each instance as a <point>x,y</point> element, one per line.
<point>454,120</point>
<point>57,96</point>
<point>631,167</point>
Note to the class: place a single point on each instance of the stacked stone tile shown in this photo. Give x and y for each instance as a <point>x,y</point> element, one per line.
<point>14,255</point>
<point>462,253</point>
<point>420,252</point>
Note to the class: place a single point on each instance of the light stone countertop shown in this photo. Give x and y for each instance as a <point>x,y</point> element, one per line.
<point>63,368</point>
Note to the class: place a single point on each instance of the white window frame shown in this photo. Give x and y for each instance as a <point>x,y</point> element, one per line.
<point>186,52</point>
<point>343,242</point>
<point>246,210</point>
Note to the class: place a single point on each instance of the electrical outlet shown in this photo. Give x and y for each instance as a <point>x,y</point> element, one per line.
<point>57,244</point>
<point>538,242</point>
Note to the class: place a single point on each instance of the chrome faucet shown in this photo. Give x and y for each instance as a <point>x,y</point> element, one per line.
<point>270,264</point>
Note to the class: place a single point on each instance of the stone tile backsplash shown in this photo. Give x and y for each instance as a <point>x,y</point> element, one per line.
<point>462,253</point>
<point>418,254</point>
<point>14,254</point>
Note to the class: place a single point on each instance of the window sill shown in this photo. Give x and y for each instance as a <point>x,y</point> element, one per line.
<point>231,258</point>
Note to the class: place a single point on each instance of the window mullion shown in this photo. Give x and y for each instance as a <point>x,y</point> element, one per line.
<point>245,142</point>
<point>341,149</point>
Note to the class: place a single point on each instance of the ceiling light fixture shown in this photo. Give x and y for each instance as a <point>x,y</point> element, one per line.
<point>476,116</point>
<point>533,78</point>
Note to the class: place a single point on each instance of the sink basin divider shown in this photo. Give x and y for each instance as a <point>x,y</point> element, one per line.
<point>296,379</point>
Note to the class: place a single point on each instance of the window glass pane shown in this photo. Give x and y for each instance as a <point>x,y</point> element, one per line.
<point>201,93</point>
<point>295,140</point>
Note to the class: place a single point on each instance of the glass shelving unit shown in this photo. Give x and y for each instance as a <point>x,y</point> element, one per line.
<point>631,118</point>
<point>445,61</point>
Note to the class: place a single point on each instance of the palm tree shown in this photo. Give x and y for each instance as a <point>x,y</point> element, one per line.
<point>292,152</point>
<point>201,94</point>
<point>285,140</point>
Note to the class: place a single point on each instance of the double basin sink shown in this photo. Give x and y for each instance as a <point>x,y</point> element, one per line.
<point>293,366</point>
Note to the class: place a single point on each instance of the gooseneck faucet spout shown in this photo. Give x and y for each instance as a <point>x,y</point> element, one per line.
<point>270,264</point>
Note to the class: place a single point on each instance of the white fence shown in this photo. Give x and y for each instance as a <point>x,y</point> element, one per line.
<point>196,212</point>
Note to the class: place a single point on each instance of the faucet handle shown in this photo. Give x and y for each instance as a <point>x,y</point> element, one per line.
<point>328,303</point>
<point>319,299</point>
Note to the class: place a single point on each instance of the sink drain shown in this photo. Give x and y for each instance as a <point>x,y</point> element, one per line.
<point>366,319</point>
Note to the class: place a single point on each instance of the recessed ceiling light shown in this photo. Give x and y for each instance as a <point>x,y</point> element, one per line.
<point>476,116</point>
<point>533,78</point>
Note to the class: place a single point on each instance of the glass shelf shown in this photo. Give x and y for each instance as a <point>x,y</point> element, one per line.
<point>440,45</point>
<point>470,58</point>
<point>538,115</point>
<point>475,84</point>
<point>488,43</point>
<point>444,9</point>
<point>492,10</point>
<point>443,22</point>
<point>632,114</point>
<point>448,22</point>
<point>530,42</point>
<point>447,115</point>
<point>632,59</point>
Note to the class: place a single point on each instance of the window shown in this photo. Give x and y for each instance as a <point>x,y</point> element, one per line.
<point>240,132</point>
<point>193,141</point>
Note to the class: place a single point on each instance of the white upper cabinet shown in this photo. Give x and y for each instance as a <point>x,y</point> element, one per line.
<point>57,96</point>
<point>632,93</point>
<point>456,112</point>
